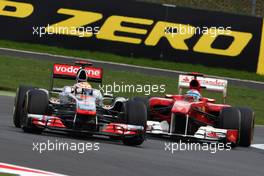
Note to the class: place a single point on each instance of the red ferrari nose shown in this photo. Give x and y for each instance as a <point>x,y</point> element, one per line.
<point>181,107</point>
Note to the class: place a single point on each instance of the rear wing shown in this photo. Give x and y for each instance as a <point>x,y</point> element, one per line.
<point>70,71</point>
<point>210,84</point>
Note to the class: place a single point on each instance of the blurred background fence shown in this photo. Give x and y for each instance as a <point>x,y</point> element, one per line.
<point>246,7</point>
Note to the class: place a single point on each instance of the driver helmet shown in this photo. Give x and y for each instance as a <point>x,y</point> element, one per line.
<point>195,94</point>
<point>83,88</point>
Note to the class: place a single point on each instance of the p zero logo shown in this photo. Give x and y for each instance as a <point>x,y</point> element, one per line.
<point>114,24</point>
<point>15,9</point>
<point>71,71</point>
<point>260,68</point>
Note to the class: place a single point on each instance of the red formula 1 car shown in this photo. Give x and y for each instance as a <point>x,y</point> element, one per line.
<point>196,118</point>
<point>79,108</point>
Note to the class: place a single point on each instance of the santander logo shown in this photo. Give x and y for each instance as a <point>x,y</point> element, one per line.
<point>70,70</point>
<point>202,81</point>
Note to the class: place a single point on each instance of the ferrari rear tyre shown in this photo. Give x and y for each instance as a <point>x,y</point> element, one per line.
<point>19,99</point>
<point>136,114</point>
<point>247,127</point>
<point>36,102</point>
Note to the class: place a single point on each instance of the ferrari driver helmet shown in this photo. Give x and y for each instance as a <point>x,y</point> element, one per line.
<point>83,88</point>
<point>195,94</point>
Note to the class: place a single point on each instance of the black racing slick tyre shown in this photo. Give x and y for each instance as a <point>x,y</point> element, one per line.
<point>247,127</point>
<point>19,99</point>
<point>36,102</point>
<point>230,118</point>
<point>136,114</point>
<point>242,119</point>
<point>145,101</point>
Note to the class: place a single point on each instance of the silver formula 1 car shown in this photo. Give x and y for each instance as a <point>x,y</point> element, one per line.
<point>79,108</point>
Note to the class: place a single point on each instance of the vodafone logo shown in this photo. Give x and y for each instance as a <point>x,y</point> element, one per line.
<point>70,70</point>
<point>65,69</point>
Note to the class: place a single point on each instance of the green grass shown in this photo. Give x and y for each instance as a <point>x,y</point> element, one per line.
<point>6,174</point>
<point>134,61</point>
<point>16,71</point>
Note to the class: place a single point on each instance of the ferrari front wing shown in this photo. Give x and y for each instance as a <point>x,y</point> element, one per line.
<point>203,134</point>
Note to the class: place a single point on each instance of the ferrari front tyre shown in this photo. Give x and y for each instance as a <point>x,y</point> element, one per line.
<point>241,119</point>
<point>230,118</point>
<point>136,114</point>
<point>246,127</point>
<point>19,99</point>
<point>36,102</point>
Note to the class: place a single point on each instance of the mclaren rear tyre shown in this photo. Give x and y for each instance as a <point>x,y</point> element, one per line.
<point>36,102</point>
<point>136,114</point>
<point>246,127</point>
<point>19,99</point>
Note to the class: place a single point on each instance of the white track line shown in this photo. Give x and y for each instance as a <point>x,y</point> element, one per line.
<point>125,65</point>
<point>258,146</point>
<point>24,171</point>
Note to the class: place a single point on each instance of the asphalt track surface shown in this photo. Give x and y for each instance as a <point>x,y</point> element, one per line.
<point>120,67</point>
<point>113,158</point>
